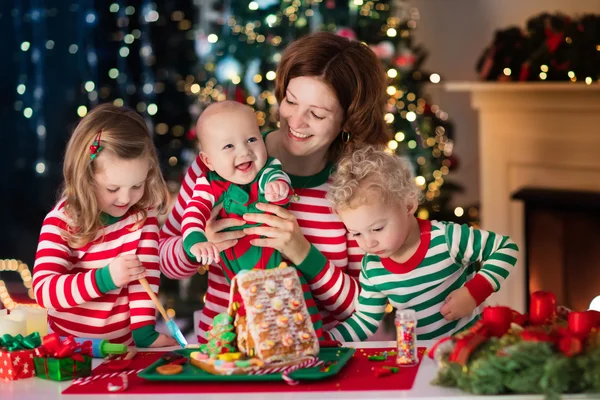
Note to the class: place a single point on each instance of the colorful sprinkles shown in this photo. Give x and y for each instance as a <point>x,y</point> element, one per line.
<point>407,342</point>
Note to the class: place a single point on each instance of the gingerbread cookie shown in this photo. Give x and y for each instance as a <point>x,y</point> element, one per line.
<point>169,369</point>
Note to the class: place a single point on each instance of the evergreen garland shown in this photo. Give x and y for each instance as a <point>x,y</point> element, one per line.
<point>551,47</point>
<point>512,365</point>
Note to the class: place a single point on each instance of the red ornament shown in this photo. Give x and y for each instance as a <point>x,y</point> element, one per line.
<point>405,61</point>
<point>581,323</point>
<point>453,162</point>
<point>570,345</point>
<point>464,347</point>
<point>535,336</point>
<point>542,308</point>
<point>93,149</point>
<point>518,318</point>
<point>553,39</point>
<point>346,33</point>
<point>497,320</point>
<point>524,73</point>
<point>240,96</point>
<point>191,134</point>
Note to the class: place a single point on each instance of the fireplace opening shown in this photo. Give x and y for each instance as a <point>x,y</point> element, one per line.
<point>562,244</point>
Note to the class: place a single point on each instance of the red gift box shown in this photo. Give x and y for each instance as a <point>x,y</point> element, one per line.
<point>16,364</point>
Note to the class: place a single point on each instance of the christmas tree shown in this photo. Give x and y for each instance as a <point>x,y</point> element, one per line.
<point>241,56</point>
<point>66,59</point>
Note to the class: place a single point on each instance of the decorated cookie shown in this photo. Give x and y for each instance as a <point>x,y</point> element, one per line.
<point>169,369</point>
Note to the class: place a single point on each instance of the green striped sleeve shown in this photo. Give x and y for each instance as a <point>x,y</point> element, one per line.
<point>272,172</point>
<point>497,253</point>
<point>367,316</point>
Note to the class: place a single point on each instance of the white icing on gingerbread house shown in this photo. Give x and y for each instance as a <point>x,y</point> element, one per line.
<point>271,318</point>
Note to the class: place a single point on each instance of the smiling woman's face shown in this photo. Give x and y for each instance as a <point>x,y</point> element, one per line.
<point>311,117</point>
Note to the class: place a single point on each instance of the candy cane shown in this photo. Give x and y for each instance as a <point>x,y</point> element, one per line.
<point>285,371</point>
<point>86,380</point>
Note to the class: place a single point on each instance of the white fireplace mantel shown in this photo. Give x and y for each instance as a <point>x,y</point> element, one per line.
<point>545,135</point>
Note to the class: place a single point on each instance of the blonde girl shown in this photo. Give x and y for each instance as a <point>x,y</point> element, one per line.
<point>102,235</point>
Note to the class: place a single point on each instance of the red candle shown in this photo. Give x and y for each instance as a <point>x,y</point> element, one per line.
<point>542,307</point>
<point>581,323</point>
<point>497,319</point>
<point>596,315</point>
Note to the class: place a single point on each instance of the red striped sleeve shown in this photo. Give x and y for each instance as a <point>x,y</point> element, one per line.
<point>174,263</point>
<point>64,279</point>
<point>198,208</point>
<point>53,285</point>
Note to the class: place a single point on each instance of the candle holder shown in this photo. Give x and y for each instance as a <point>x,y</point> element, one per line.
<point>36,319</point>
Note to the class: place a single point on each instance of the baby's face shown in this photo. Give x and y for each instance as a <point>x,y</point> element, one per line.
<point>233,147</point>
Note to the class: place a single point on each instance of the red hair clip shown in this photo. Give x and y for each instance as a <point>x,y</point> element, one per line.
<point>95,148</point>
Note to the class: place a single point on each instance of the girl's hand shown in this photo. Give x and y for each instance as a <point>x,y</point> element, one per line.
<point>223,240</point>
<point>126,268</point>
<point>281,231</point>
<point>164,341</point>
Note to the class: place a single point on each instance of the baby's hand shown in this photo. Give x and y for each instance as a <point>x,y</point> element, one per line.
<point>458,304</point>
<point>276,191</point>
<point>205,252</point>
<point>164,341</point>
<point>126,268</point>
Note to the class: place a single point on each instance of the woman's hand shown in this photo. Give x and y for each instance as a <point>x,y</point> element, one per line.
<point>223,240</point>
<point>280,230</point>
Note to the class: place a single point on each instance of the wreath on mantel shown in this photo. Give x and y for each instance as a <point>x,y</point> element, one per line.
<point>552,47</point>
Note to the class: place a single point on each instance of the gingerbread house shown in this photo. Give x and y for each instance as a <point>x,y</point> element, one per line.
<point>270,316</point>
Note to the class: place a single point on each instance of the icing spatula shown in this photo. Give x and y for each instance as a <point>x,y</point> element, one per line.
<point>173,328</point>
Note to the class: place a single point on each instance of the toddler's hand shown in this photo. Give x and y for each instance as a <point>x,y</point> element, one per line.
<point>458,304</point>
<point>205,252</point>
<point>164,341</point>
<point>276,191</point>
<point>126,268</point>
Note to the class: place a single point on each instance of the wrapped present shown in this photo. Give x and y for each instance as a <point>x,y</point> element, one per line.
<point>62,360</point>
<point>16,356</point>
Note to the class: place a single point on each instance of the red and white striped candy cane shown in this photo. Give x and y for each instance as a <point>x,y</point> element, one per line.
<point>285,371</point>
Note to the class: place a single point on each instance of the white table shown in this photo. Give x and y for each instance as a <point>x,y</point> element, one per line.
<point>38,389</point>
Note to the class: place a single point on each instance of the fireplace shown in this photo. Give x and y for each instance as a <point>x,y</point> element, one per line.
<point>562,238</point>
<point>537,135</point>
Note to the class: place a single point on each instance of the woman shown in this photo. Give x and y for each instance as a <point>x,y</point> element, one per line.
<point>331,93</point>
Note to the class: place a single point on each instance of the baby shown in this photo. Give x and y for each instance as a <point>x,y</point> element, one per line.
<point>238,175</point>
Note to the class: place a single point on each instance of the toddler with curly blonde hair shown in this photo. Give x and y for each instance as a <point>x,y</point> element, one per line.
<point>427,266</point>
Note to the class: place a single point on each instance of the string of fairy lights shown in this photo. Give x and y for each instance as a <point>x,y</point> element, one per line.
<point>402,103</point>
<point>20,268</point>
<point>228,73</point>
<point>225,74</point>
